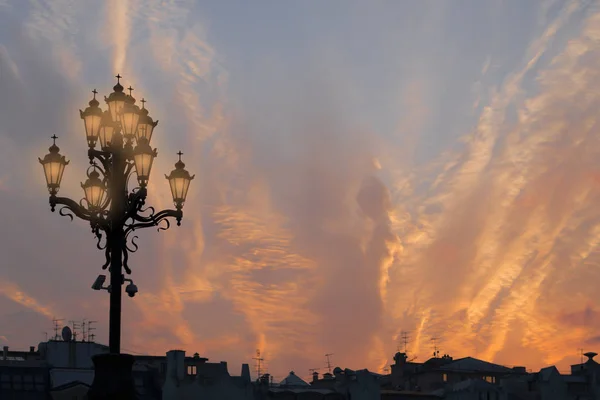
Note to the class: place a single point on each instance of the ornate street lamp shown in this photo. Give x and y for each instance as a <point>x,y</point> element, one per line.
<point>92,116</point>
<point>179,180</point>
<point>54,166</point>
<point>145,125</point>
<point>129,117</point>
<point>113,211</point>
<point>107,128</point>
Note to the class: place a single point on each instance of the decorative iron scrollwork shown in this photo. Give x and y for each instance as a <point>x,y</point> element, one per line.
<point>66,213</point>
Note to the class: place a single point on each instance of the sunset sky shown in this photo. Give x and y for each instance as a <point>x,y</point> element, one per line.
<point>362,168</point>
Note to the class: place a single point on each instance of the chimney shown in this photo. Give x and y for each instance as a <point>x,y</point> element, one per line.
<point>5,353</point>
<point>32,349</point>
<point>265,379</point>
<point>315,376</point>
<point>246,373</point>
<point>176,364</point>
<point>590,355</point>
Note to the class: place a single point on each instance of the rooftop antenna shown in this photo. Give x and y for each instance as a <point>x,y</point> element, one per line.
<point>436,350</point>
<point>91,336</point>
<point>75,326</point>
<point>57,322</point>
<point>258,360</point>
<point>45,336</point>
<point>405,339</point>
<point>328,355</point>
<point>580,350</point>
<point>83,331</point>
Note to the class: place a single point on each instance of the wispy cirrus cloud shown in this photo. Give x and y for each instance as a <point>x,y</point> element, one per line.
<point>339,197</point>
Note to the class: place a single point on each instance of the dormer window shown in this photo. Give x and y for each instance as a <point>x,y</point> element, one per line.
<point>191,370</point>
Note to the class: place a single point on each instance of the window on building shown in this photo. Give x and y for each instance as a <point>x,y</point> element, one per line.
<point>28,382</point>
<point>490,379</point>
<point>5,381</point>
<point>191,370</point>
<point>445,377</point>
<point>17,382</point>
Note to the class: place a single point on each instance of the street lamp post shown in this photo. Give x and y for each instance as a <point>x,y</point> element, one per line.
<point>113,211</point>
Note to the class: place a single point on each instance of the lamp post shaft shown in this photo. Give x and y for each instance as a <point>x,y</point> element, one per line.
<point>116,281</point>
<point>118,192</point>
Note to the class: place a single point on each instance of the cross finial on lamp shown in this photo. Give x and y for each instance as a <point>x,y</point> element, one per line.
<point>130,90</point>
<point>54,137</point>
<point>95,93</point>
<point>143,102</point>
<point>118,78</point>
<point>180,154</point>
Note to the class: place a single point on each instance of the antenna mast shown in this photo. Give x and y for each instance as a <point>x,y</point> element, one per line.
<point>45,336</point>
<point>405,339</point>
<point>580,350</point>
<point>56,323</point>
<point>328,355</point>
<point>91,336</point>
<point>75,326</point>
<point>258,360</point>
<point>436,350</point>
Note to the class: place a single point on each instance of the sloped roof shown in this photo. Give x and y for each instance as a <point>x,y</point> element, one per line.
<point>61,376</point>
<point>474,364</point>
<point>546,373</point>
<point>293,380</point>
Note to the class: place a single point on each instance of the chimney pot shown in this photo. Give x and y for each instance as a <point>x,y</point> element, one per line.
<point>315,376</point>
<point>32,349</point>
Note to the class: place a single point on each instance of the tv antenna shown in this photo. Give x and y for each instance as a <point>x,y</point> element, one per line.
<point>75,326</point>
<point>91,336</point>
<point>328,356</point>
<point>405,339</point>
<point>436,350</point>
<point>45,336</point>
<point>56,323</point>
<point>580,350</point>
<point>258,360</point>
<point>83,331</point>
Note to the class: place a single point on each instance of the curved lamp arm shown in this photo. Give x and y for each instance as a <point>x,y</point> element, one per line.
<point>72,206</point>
<point>154,220</point>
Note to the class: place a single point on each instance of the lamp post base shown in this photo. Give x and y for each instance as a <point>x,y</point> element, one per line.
<point>113,377</point>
